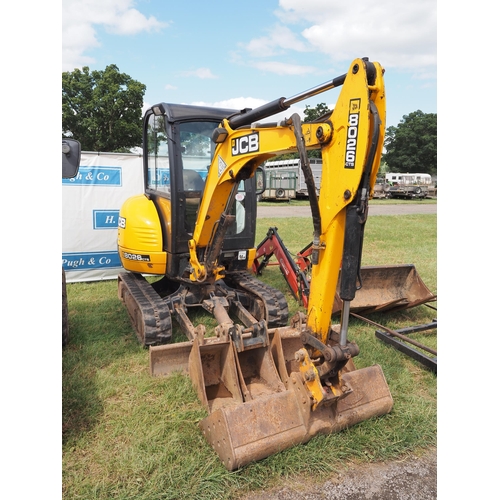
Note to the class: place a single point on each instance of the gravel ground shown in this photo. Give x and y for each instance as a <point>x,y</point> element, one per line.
<point>411,478</point>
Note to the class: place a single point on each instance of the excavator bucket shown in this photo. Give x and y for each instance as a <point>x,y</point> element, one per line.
<point>384,288</point>
<point>388,288</point>
<point>256,402</point>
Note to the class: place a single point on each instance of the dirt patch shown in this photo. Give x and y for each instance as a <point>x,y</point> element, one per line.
<point>411,478</point>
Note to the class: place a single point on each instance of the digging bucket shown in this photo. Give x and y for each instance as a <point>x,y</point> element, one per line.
<point>387,288</point>
<point>256,400</point>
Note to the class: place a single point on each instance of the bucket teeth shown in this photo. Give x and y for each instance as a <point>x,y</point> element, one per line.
<point>257,401</point>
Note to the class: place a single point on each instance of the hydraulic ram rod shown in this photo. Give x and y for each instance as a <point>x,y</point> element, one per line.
<point>330,84</point>
<point>246,117</point>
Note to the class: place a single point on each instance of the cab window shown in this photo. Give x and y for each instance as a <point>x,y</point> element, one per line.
<point>157,151</point>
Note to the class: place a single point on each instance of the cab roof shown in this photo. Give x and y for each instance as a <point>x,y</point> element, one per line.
<point>186,112</point>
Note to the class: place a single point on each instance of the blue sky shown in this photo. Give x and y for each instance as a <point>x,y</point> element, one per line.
<point>243,54</point>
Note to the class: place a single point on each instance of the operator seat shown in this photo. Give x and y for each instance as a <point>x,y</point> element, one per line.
<point>193,183</point>
<point>193,188</point>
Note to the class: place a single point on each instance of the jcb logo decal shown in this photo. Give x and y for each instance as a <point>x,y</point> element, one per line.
<point>246,144</point>
<point>352,133</point>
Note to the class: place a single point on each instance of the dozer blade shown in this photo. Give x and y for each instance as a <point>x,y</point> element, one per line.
<point>388,288</point>
<point>256,400</point>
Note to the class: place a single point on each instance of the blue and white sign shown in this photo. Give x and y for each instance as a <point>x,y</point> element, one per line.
<point>99,176</point>
<point>91,205</point>
<point>90,260</point>
<point>106,219</point>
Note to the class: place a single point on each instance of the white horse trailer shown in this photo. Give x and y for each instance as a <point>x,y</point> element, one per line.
<point>285,178</point>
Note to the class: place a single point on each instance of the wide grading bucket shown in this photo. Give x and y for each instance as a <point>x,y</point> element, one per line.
<point>387,288</point>
<point>256,400</point>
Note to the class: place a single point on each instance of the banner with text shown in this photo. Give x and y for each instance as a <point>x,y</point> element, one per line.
<point>91,203</point>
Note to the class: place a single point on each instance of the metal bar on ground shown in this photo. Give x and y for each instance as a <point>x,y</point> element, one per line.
<point>399,340</point>
<point>396,333</point>
<point>400,345</point>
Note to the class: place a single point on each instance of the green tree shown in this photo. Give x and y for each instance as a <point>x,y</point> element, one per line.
<point>412,145</point>
<point>102,109</point>
<point>310,115</point>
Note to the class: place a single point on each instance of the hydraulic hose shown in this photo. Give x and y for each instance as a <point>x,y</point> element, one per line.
<point>311,188</point>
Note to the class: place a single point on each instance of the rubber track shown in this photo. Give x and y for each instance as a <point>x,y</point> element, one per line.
<point>155,315</point>
<point>277,306</point>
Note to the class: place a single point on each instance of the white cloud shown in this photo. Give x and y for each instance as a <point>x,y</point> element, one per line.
<point>398,34</point>
<point>79,18</point>
<point>234,103</point>
<point>131,21</point>
<point>281,68</point>
<point>202,73</point>
<point>145,107</point>
<point>280,38</point>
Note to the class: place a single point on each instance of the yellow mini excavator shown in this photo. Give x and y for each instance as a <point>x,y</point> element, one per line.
<point>267,383</point>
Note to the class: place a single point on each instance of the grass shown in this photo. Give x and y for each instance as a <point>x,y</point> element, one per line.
<point>129,436</point>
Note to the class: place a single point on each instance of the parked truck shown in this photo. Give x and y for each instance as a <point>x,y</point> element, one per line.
<point>408,186</point>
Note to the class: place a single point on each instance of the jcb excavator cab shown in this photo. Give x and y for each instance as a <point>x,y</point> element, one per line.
<point>179,154</point>
<point>155,228</point>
